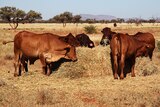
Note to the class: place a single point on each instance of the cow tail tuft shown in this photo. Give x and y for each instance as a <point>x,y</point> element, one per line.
<point>4,42</point>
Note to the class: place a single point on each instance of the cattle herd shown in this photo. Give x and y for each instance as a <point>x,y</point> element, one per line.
<point>48,47</point>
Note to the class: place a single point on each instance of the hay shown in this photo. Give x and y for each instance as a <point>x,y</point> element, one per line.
<point>91,63</point>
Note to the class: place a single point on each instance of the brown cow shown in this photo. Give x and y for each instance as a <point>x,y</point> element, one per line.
<point>31,46</point>
<point>143,37</point>
<point>70,39</point>
<point>124,47</point>
<point>147,38</point>
<point>84,40</point>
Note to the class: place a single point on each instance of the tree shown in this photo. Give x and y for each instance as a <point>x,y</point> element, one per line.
<point>12,15</point>
<point>138,21</point>
<point>55,19</point>
<point>31,16</point>
<point>65,17</point>
<point>76,19</point>
<point>90,21</point>
<point>130,21</point>
<point>120,20</point>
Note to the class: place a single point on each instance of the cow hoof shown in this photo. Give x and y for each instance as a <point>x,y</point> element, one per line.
<point>133,75</point>
<point>48,74</point>
<point>15,74</point>
<point>121,78</point>
<point>115,76</point>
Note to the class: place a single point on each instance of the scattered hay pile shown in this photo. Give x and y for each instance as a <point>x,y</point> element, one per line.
<point>91,63</point>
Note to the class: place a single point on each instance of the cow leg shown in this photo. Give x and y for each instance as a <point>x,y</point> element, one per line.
<point>132,68</point>
<point>115,64</point>
<point>49,69</point>
<point>20,68</point>
<point>43,62</point>
<point>122,66</point>
<point>150,55</point>
<point>17,64</point>
<point>24,65</point>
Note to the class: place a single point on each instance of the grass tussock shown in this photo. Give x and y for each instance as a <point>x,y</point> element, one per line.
<point>9,57</point>
<point>44,97</point>
<point>90,29</point>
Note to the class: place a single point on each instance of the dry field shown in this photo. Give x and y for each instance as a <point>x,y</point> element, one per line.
<point>85,83</point>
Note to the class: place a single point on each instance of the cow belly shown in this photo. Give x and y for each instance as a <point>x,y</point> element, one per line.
<point>54,56</point>
<point>31,53</point>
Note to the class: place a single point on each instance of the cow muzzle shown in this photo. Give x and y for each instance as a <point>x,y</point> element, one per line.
<point>74,59</point>
<point>105,42</point>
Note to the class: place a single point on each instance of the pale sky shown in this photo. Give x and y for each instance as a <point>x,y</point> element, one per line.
<point>118,8</point>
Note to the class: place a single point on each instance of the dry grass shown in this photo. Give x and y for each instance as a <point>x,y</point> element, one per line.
<point>85,83</point>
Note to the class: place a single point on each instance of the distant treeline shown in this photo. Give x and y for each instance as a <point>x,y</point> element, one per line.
<point>14,16</point>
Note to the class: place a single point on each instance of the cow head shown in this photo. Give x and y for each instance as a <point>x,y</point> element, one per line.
<point>71,53</point>
<point>107,36</point>
<point>70,39</point>
<point>143,51</point>
<point>85,40</point>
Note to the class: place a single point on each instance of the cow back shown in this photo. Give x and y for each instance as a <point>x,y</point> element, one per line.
<point>32,44</point>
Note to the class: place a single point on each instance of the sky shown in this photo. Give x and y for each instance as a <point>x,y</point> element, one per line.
<point>119,8</point>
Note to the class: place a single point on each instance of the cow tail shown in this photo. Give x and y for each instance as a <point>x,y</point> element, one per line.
<point>119,43</point>
<point>5,42</point>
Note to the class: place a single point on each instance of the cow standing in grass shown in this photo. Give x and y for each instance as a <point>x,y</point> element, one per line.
<point>47,47</point>
<point>124,47</point>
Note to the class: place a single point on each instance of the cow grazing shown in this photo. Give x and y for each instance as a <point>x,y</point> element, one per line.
<point>70,39</point>
<point>125,48</point>
<point>107,36</point>
<point>84,40</point>
<point>47,47</point>
<point>147,38</point>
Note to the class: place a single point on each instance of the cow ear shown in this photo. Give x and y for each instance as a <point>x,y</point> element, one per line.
<point>102,31</point>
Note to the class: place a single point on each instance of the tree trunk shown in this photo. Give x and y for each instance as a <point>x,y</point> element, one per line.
<point>11,25</point>
<point>14,26</point>
<point>76,24</point>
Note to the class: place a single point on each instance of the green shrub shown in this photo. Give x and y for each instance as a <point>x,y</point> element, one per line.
<point>90,29</point>
<point>158,45</point>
